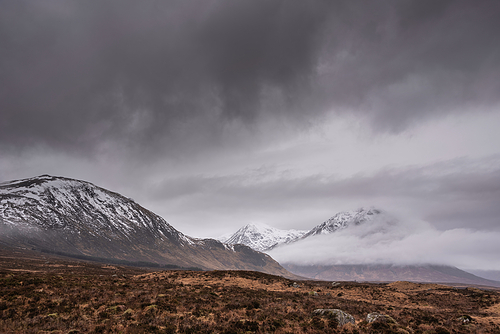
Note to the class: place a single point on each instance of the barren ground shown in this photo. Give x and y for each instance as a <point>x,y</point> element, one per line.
<point>48,294</point>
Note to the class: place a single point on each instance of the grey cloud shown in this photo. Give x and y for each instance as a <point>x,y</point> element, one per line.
<point>403,243</point>
<point>452,194</point>
<point>78,72</point>
<point>415,61</point>
<point>149,74</point>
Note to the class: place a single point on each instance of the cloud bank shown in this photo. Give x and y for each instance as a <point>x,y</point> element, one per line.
<point>403,242</point>
<point>461,193</point>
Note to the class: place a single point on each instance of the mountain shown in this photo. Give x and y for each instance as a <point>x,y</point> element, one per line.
<point>488,274</point>
<point>344,219</point>
<point>263,237</point>
<point>76,218</point>
<point>361,223</point>
<point>388,273</point>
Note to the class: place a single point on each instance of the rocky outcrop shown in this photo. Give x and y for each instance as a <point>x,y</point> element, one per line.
<point>378,317</point>
<point>341,317</point>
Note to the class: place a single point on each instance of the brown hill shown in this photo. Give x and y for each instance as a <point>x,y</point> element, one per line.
<point>389,273</point>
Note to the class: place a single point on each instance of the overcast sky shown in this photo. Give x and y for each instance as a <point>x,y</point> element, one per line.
<point>216,114</point>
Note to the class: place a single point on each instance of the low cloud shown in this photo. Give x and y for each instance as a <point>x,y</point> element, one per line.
<point>460,193</point>
<point>400,242</point>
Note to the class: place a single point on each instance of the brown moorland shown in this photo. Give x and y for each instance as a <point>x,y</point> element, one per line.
<point>48,294</point>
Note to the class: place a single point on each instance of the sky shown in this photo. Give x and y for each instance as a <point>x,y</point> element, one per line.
<point>215,114</point>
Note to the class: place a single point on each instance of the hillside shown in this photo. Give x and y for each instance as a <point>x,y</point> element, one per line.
<point>71,217</point>
<point>42,294</point>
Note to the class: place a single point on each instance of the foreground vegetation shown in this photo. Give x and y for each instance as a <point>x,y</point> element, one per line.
<point>62,296</point>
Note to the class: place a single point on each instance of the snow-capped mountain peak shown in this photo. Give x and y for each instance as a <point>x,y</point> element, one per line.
<point>343,220</point>
<point>262,237</point>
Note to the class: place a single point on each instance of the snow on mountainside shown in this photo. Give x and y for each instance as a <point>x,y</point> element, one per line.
<point>263,237</point>
<point>76,218</point>
<point>49,202</point>
<point>344,219</point>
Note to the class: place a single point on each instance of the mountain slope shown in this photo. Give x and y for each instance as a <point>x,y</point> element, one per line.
<point>487,274</point>
<point>74,217</point>
<point>343,220</point>
<point>263,237</point>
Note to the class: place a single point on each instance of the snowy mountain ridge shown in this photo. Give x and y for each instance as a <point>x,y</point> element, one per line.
<point>343,220</point>
<point>48,203</point>
<point>261,237</point>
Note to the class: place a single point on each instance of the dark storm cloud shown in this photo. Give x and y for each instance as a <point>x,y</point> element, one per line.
<point>76,73</point>
<point>403,62</point>
<point>82,71</point>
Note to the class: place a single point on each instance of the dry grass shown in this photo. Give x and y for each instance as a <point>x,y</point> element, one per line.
<point>76,297</point>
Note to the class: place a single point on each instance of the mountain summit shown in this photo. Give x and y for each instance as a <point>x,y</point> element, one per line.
<point>263,237</point>
<point>81,209</point>
<point>76,218</point>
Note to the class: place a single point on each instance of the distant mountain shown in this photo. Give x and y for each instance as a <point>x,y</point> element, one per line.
<point>263,237</point>
<point>388,273</point>
<point>366,221</point>
<point>72,217</point>
<point>344,219</point>
<point>488,274</point>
